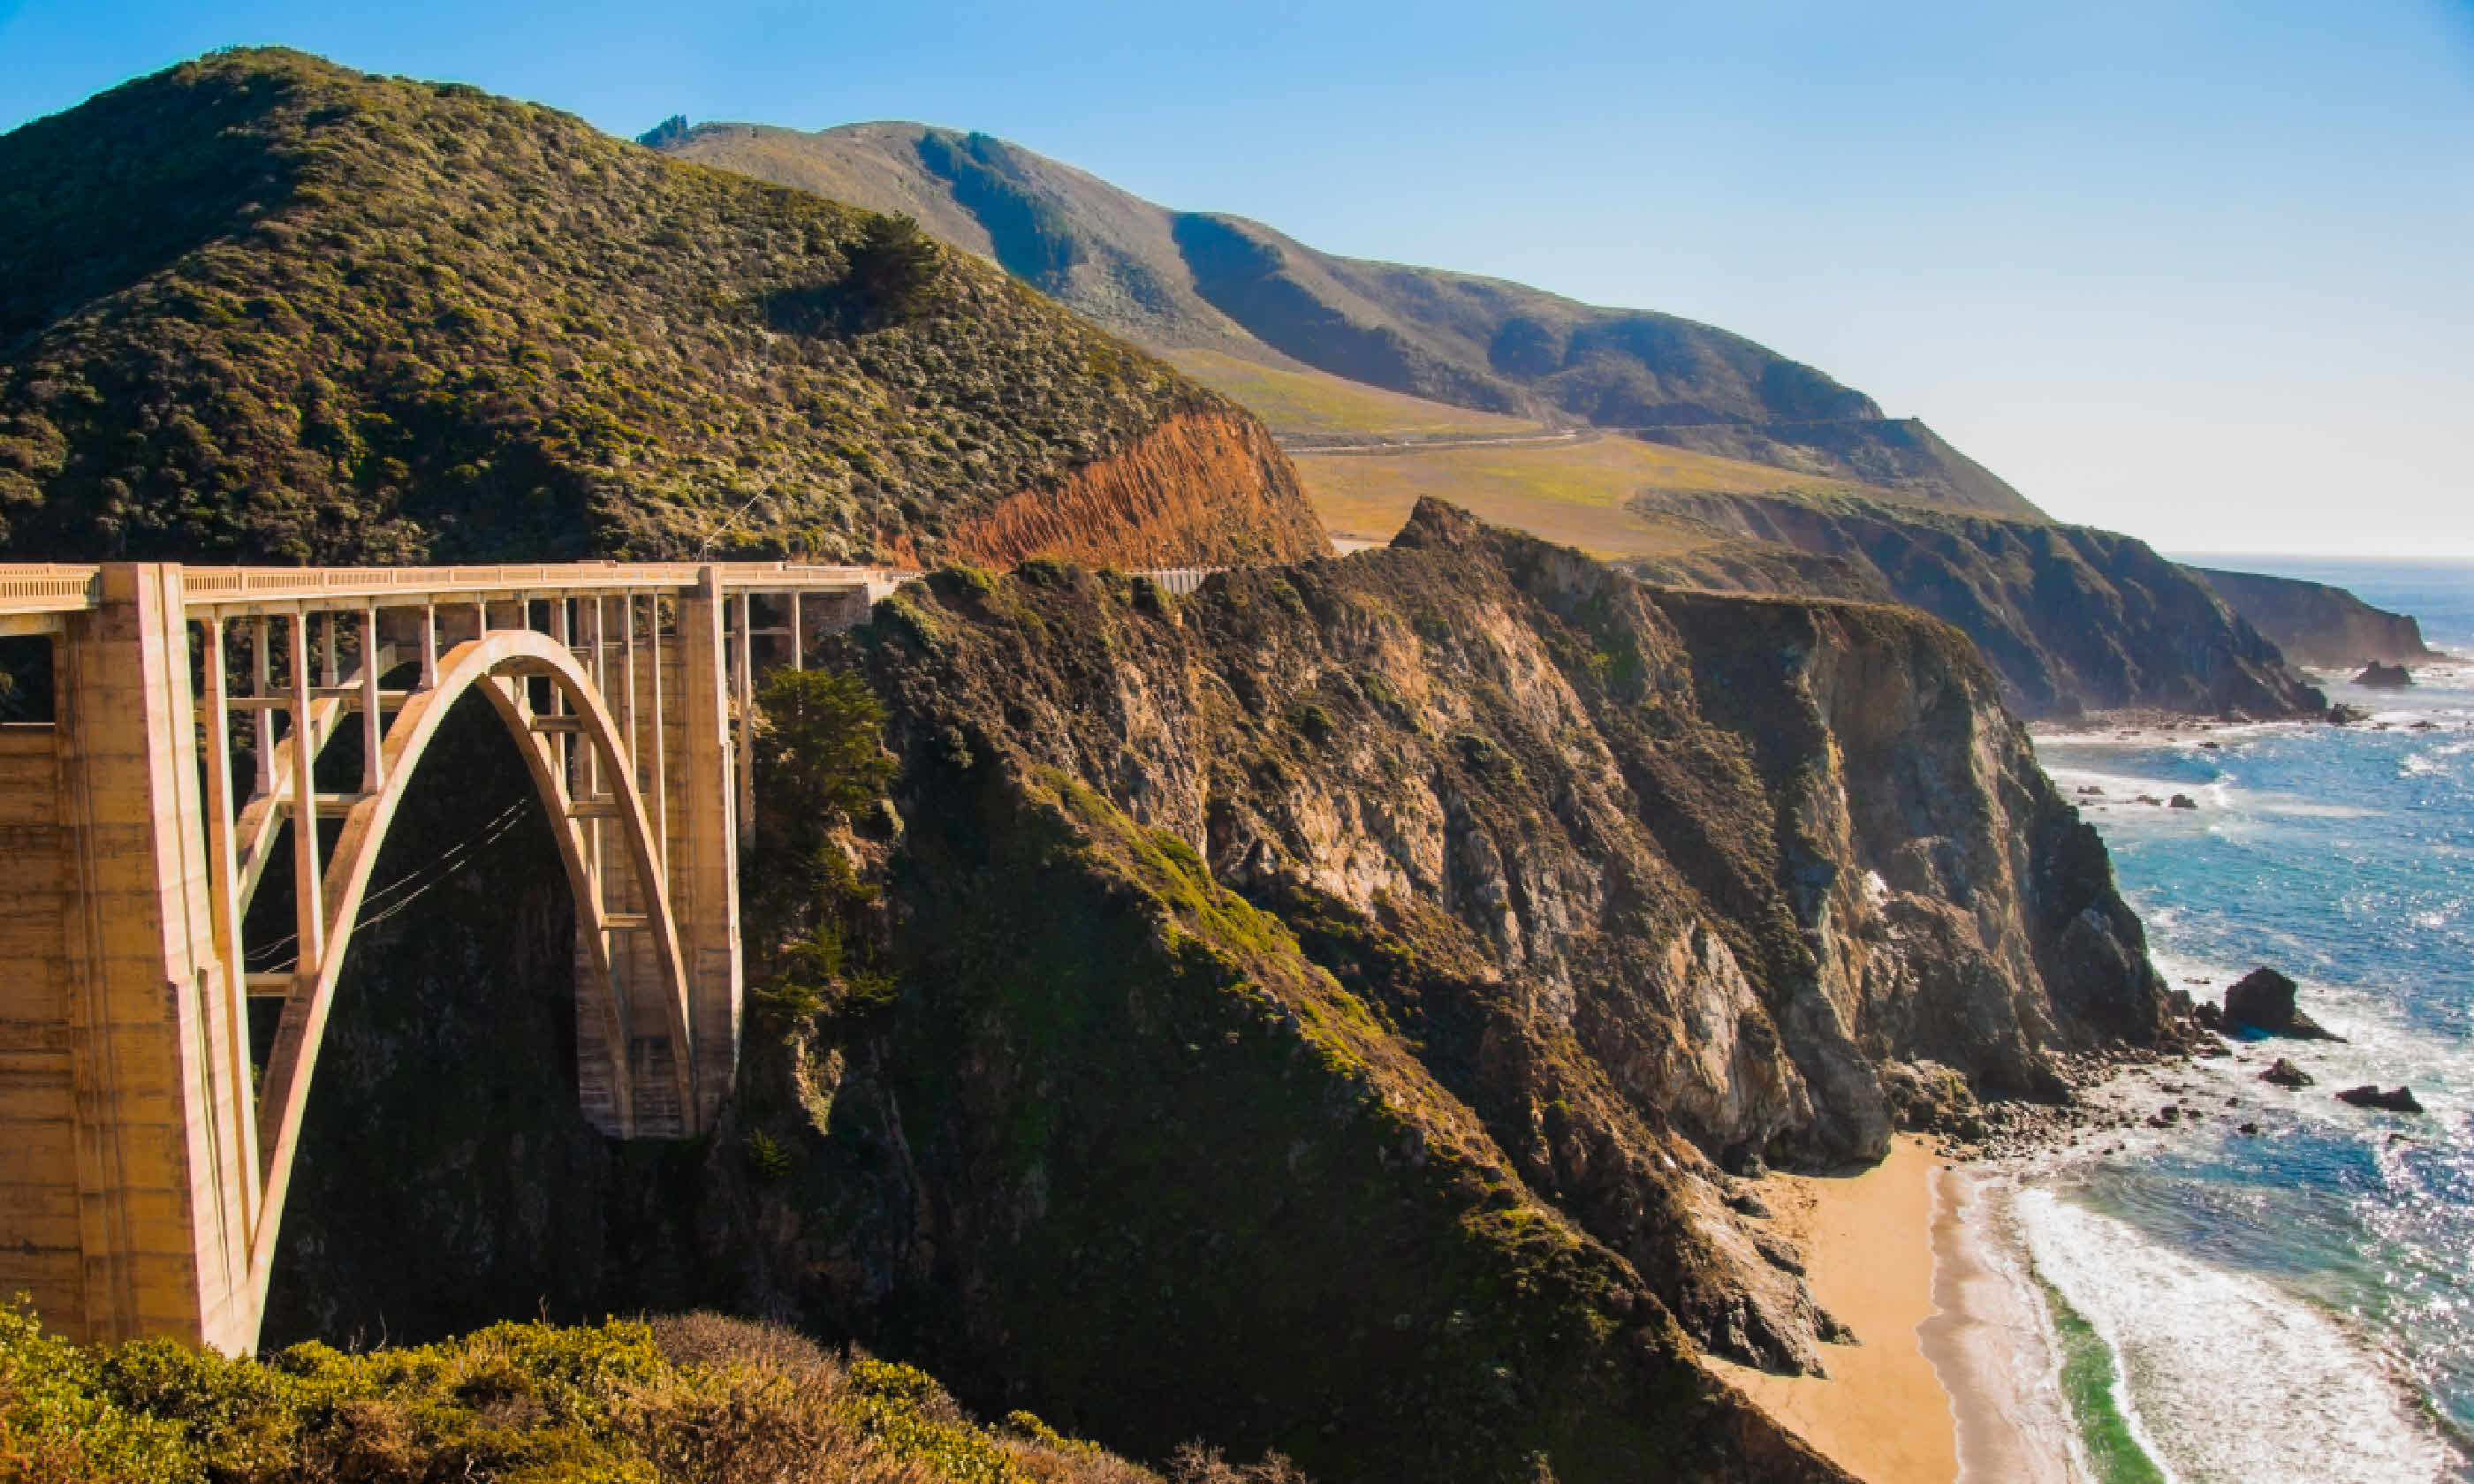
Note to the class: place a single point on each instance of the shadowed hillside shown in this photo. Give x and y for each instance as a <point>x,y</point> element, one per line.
<point>259,306</point>
<point>1202,281</point>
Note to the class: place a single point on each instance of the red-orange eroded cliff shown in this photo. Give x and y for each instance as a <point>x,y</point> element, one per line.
<point>1206,488</point>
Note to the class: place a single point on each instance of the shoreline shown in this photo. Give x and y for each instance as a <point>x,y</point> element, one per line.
<point>1954,1377</point>
<point>1992,1347</point>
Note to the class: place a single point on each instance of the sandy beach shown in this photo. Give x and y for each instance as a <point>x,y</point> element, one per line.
<point>1948,1382</point>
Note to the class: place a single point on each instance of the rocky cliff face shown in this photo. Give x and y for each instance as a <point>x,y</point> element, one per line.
<point>2072,619</point>
<point>2317,624</point>
<point>1324,1014</point>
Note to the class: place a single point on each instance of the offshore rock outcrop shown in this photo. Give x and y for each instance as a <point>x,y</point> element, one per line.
<point>2072,618</point>
<point>1322,1014</point>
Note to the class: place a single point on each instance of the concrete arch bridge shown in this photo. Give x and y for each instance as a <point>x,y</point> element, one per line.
<point>143,1155</point>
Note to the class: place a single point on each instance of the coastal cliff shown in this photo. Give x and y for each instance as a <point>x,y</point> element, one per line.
<point>1333,1013</point>
<point>2072,619</point>
<point>2317,624</point>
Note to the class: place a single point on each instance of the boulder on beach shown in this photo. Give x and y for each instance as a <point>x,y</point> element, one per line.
<point>2385,676</point>
<point>2263,1002</point>
<point>2393,1100</point>
<point>2284,1074</point>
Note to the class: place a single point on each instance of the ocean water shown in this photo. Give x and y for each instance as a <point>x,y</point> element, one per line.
<point>2297,1304</point>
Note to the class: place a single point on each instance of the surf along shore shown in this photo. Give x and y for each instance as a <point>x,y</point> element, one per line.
<point>1947,1379</point>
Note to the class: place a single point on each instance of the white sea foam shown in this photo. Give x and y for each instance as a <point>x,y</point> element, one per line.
<point>2221,1377</point>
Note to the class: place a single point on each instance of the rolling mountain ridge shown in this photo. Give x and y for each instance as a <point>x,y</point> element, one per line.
<point>1187,281</point>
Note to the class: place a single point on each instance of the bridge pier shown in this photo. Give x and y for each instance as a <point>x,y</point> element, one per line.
<point>128,1171</point>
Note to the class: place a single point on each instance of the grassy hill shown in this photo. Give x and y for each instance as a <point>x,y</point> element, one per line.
<point>259,306</point>
<point>1307,407</point>
<point>1178,281</point>
<point>1582,492</point>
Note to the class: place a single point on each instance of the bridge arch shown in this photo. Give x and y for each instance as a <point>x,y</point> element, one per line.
<point>503,665</point>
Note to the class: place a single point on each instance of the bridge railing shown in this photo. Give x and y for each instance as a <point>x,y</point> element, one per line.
<point>50,588</point>
<point>54,587</point>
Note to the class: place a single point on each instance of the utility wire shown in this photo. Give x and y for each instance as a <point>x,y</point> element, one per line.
<point>375,907</point>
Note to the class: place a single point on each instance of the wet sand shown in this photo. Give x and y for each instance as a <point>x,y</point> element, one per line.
<point>1950,1382</point>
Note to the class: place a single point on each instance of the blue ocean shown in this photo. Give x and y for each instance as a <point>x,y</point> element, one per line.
<point>2296,1302</point>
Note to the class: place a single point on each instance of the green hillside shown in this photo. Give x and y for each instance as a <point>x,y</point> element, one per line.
<point>1178,281</point>
<point>260,306</point>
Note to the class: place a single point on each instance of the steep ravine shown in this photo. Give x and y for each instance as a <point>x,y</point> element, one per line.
<point>1322,1014</point>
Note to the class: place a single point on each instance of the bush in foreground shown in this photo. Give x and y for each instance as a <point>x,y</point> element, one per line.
<point>695,1398</point>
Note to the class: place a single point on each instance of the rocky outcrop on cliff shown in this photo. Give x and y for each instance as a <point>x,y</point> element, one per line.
<point>2317,624</point>
<point>1339,1012</point>
<point>2072,619</point>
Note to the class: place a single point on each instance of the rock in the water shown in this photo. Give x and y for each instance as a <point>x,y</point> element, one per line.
<point>2284,1074</point>
<point>2263,1002</point>
<point>2385,676</point>
<point>2342,715</point>
<point>2182,801</point>
<point>2393,1100</point>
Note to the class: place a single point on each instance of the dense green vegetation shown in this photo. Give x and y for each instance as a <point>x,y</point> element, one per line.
<point>689,1398</point>
<point>259,306</point>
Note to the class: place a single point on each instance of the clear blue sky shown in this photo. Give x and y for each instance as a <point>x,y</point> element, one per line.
<point>2200,272</point>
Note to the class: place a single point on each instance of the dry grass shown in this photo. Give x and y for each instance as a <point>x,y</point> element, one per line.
<point>1575,493</point>
<point>1299,401</point>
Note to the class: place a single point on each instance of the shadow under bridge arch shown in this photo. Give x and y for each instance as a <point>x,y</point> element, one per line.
<point>634,1008</point>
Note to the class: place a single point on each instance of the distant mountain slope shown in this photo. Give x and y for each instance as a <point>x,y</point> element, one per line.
<point>1192,280</point>
<point>2073,619</point>
<point>2318,624</point>
<point>259,306</point>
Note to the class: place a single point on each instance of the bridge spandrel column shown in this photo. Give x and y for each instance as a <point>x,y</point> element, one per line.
<point>704,847</point>
<point>165,1186</point>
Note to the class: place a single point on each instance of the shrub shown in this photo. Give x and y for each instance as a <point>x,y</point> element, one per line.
<point>698,1399</point>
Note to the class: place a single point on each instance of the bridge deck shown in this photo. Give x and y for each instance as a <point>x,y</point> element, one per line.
<point>54,588</point>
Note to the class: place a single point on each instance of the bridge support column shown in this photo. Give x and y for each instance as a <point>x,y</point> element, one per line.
<point>126,1205</point>
<point>704,845</point>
